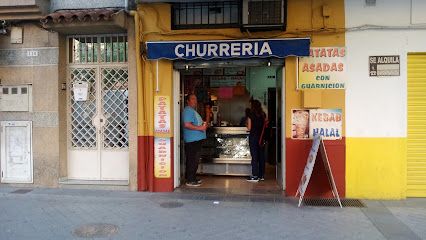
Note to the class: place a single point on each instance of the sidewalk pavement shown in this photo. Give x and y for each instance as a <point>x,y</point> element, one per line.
<point>79,214</point>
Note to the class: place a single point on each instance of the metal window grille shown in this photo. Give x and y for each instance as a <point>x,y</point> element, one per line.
<point>115,108</point>
<point>83,132</point>
<point>206,14</point>
<point>265,12</point>
<point>98,49</point>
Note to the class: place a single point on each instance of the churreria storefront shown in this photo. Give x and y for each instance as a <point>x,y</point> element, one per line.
<point>225,74</point>
<point>227,68</point>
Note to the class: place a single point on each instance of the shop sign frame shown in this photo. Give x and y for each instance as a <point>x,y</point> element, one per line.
<point>384,66</point>
<point>228,49</point>
<point>307,123</point>
<point>325,68</point>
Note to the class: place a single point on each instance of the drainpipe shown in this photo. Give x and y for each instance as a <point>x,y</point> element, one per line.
<point>142,168</point>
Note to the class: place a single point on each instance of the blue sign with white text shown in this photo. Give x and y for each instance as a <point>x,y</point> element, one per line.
<point>258,48</point>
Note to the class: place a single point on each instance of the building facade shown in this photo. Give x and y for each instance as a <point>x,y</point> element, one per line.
<point>384,116</point>
<point>91,95</point>
<point>180,23</point>
<point>73,63</point>
<point>379,154</point>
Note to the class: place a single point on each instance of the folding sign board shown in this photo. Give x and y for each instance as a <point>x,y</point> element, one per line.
<point>317,144</point>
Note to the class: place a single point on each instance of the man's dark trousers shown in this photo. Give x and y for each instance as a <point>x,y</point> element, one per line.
<point>192,152</point>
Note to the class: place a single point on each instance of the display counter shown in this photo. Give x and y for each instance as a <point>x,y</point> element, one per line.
<point>226,152</point>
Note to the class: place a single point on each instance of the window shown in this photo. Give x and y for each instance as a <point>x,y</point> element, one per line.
<point>265,12</point>
<point>94,49</point>
<point>206,14</point>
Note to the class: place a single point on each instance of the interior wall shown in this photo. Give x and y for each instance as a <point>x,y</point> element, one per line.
<point>259,79</point>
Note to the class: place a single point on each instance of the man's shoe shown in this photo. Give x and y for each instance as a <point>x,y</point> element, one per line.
<point>252,179</point>
<point>193,184</point>
<point>261,179</point>
<point>199,181</point>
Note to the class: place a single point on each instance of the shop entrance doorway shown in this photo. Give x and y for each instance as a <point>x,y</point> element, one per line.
<point>228,87</point>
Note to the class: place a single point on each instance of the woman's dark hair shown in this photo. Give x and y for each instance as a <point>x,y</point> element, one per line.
<point>256,108</point>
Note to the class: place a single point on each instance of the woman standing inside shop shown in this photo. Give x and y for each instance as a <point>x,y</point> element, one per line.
<point>255,124</point>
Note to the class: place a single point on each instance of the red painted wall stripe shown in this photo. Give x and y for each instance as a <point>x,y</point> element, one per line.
<point>297,152</point>
<point>146,178</point>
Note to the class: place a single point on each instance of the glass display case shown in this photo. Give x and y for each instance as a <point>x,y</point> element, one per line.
<point>226,152</point>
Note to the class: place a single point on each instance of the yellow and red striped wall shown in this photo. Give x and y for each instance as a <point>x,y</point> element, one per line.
<point>376,158</point>
<point>303,19</point>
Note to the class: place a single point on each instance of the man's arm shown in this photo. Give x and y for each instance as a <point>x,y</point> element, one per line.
<point>191,126</point>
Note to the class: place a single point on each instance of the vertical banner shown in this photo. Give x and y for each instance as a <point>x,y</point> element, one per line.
<point>325,68</point>
<point>307,123</point>
<point>162,158</point>
<point>162,114</point>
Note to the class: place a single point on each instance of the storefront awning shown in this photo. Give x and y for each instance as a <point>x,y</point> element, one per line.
<point>227,49</point>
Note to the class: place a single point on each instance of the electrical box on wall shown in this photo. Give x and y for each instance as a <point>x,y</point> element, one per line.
<point>17,98</point>
<point>16,35</point>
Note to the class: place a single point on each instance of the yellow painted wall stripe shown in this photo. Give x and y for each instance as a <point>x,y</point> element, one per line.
<point>416,119</point>
<point>375,168</point>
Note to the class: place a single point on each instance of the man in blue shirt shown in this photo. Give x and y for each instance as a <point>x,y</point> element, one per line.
<point>194,132</point>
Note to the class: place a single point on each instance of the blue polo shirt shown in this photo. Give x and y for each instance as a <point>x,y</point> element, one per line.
<point>190,115</point>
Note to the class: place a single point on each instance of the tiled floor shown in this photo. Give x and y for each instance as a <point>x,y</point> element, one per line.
<point>237,185</point>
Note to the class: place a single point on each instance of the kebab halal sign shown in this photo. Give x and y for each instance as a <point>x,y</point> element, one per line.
<point>384,66</point>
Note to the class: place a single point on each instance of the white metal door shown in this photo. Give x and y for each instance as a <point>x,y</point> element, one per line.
<point>98,148</point>
<point>16,152</point>
<point>113,123</point>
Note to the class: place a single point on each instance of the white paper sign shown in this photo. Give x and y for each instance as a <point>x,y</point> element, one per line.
<point>325,122</point>
<point>307,123</point>
<point>80,91</point>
